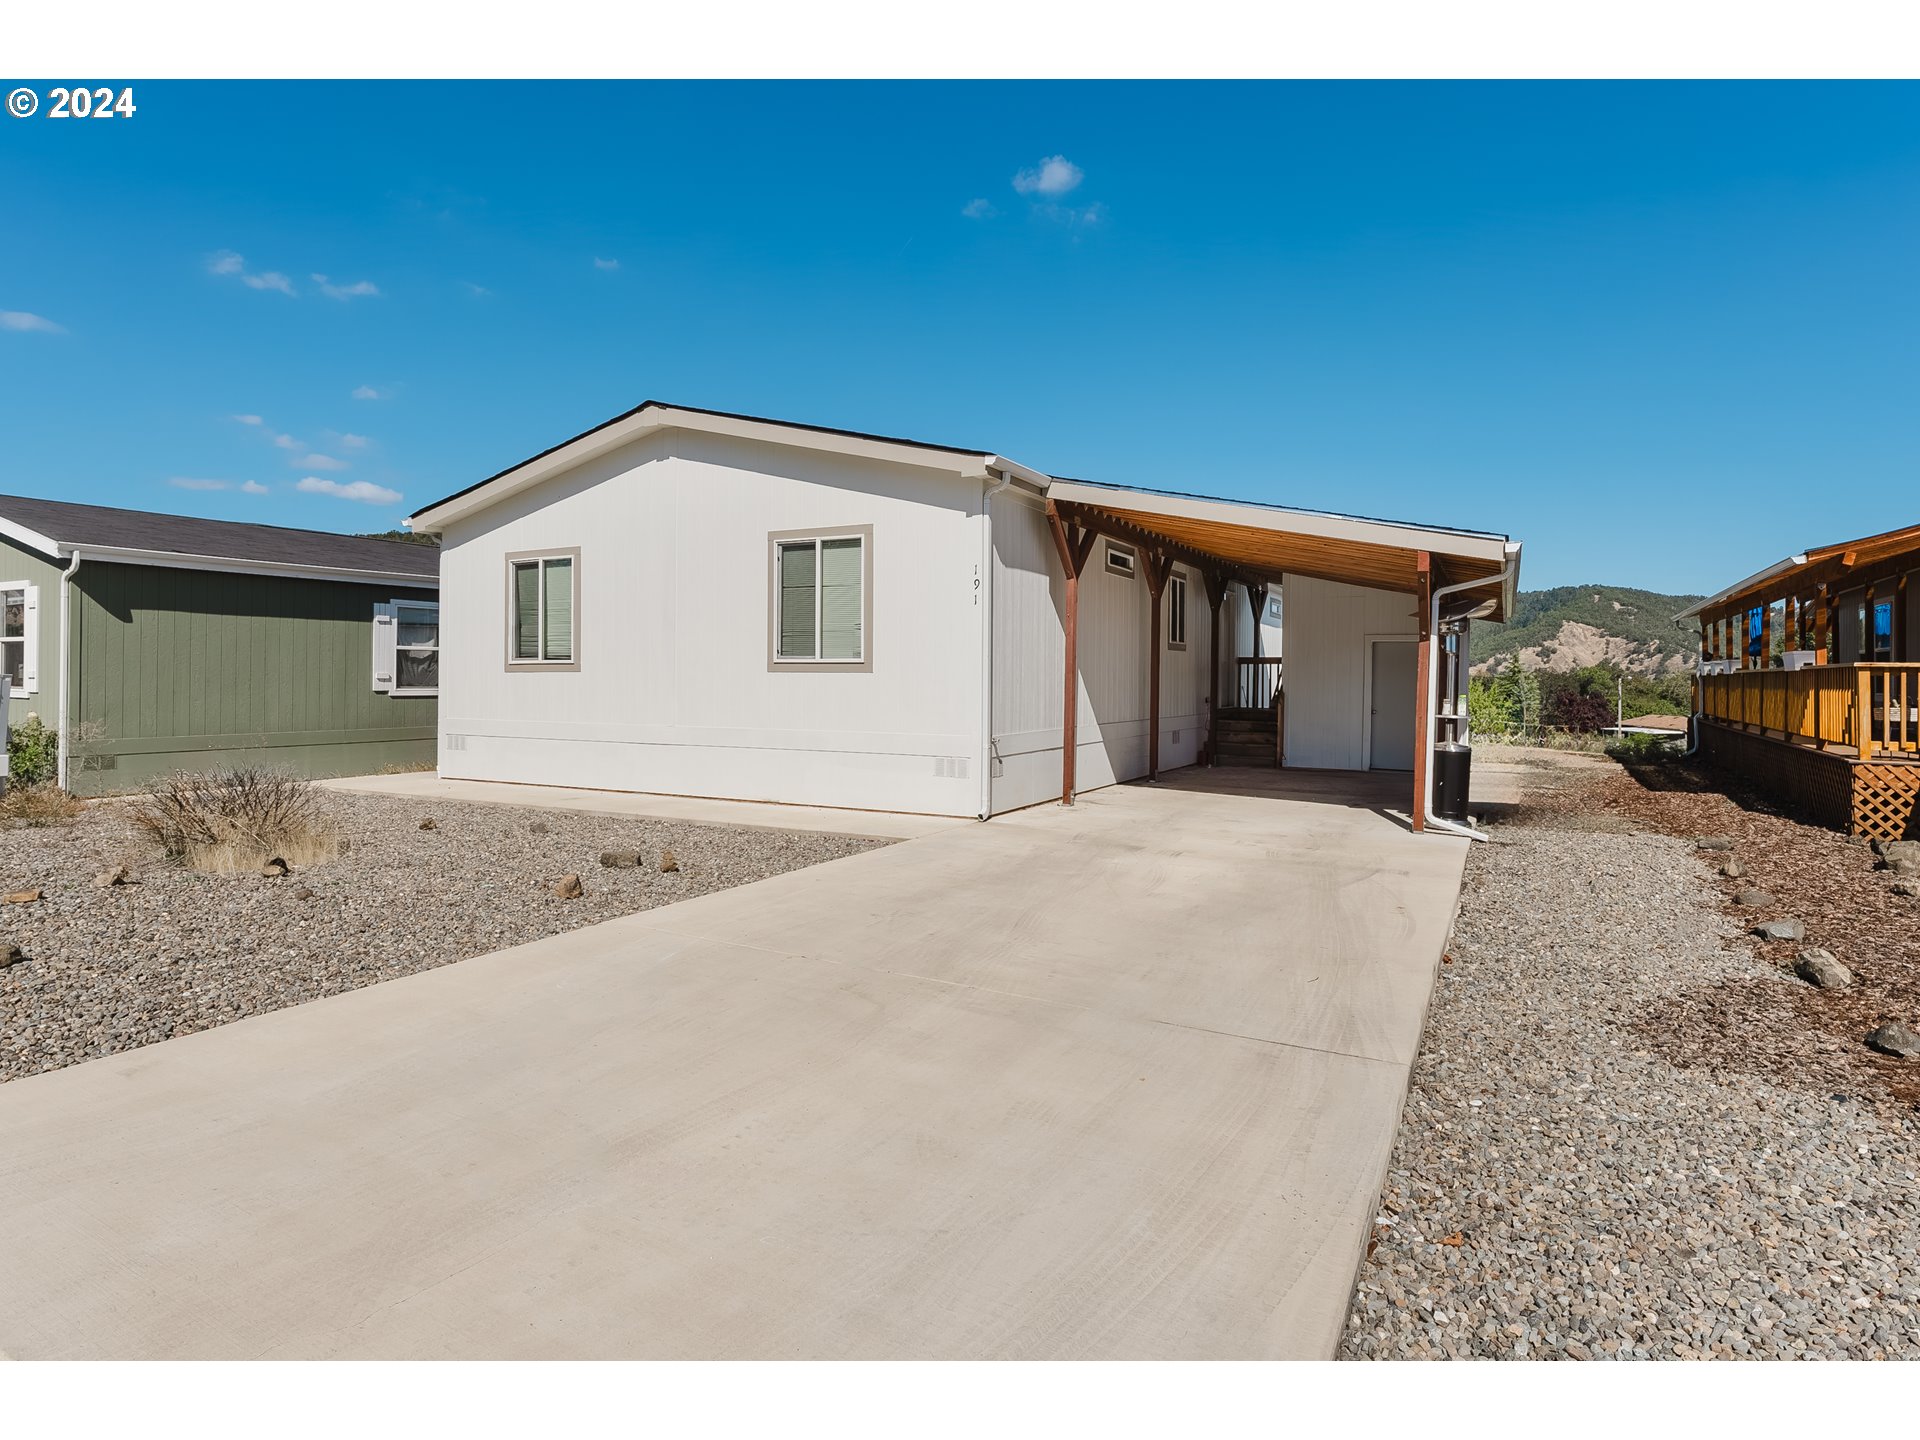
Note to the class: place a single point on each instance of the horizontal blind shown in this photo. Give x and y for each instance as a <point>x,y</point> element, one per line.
<point>559,609</point>
<point>840,610</point>
<point>526,612</point>
<point>796,601</point>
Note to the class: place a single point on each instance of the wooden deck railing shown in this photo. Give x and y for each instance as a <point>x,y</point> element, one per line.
<point>1871,709</point>
<point>1255,681</point>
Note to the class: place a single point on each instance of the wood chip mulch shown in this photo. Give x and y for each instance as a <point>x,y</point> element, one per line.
<point>1790,1034</point>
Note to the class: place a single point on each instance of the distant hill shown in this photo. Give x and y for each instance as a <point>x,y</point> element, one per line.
<point>1574,625</point>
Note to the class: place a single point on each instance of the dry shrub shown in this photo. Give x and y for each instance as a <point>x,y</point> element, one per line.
<point>39,805</point>
<point>236,820</point>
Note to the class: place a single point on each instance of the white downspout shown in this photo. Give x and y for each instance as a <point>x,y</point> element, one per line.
<point>66,664</point>
<point>994,485</point>
<point>1432,687</point>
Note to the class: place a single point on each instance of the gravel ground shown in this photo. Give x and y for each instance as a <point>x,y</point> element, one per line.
<point>177,951</point>
<point>1562,1189</point>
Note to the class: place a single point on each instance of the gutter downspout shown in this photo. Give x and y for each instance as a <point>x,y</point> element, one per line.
<point>1504,579</point>
<point>994,484</point>
<point>66,663</point>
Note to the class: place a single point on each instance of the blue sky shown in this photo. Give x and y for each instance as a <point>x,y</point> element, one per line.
<point>1663,334</point>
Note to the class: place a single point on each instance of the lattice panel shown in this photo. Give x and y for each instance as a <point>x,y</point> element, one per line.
<point>1815,785</point>
<point>1886,801</point>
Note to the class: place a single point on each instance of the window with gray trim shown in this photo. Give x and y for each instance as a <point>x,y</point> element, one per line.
<point>820,599</point>
<point>1176,611</point>
<point>543,595</point>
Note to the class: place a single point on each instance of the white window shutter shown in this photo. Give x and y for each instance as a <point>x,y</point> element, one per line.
<point>384,631</point>
<point>29,681</point>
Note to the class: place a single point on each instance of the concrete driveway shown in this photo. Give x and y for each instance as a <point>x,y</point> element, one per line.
<point>1118,1081</point>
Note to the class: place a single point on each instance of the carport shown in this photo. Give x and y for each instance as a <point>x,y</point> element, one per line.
<point>1450,576</point>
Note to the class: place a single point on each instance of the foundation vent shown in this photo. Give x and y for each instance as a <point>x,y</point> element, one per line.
<point>950,767</point>
<point>456,742</point>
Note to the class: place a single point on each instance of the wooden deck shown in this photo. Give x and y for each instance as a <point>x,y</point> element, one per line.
<point>1865,711</point>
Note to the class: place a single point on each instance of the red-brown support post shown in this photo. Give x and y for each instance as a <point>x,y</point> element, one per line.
<point>1216,592</point>
<point>1073,545</point>
<point>1157,567</point>
<point>1902,641</point>
<point>1422,717</point>
<point>1822,625</point>
<point>1867,630</point>
<point>1766,636</point>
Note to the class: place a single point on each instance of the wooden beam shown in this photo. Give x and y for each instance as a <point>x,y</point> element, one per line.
<point>1157,567</point>
<point>1902,641</point>
<point>1216,584</point>
<point>1423,568</point>
<point>1766,636</point>
<point>1073,546</point>
<point>1822,623</point>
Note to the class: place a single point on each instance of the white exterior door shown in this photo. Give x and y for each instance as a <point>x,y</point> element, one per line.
<point>1391,700</point>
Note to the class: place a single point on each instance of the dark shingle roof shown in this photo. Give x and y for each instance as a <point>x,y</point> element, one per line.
<point>100,525</point>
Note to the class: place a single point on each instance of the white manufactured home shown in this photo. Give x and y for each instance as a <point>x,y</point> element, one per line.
<point>691,602</point>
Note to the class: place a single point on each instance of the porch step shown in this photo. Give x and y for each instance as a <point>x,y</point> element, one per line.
<point>1227,754</point>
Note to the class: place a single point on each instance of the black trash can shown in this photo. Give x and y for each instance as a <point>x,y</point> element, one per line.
<point>1452,764</point>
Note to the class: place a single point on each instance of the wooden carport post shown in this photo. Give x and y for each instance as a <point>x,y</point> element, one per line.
<point>1158,566</point>
<point>1073,545</point>
<point>1422,719</point>
<point>1216,592</point>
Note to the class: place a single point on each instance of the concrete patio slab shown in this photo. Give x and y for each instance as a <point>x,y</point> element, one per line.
<point>1118,1081</point>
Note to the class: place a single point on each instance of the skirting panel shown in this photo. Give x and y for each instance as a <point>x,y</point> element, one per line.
<point>1879,799</point>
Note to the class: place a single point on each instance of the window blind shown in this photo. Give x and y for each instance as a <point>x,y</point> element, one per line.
<point>797,574</point>
<point>840,611</point>
<point>526,611</point>
<point>559,609</point>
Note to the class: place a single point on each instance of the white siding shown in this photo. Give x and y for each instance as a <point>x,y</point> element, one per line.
<point>1326,629</point>
<point>1029,638</point>
<point>673,693</point>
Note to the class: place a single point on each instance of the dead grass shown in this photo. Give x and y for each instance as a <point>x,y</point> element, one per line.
<point>238,819</point>
<point>43,804</point>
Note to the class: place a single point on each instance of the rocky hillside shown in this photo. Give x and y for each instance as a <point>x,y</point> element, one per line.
<point>1575,625</point>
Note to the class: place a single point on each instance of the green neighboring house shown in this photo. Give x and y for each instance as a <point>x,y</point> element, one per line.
<point>158,643</point>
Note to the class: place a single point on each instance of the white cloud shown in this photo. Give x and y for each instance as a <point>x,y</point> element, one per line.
<point>185,483</point>
<point>252,487</point>
<point>600,264</point>
<point>367,392</point>
<point>250,420</point>
<point>1053,176</point>
<point>345,292</point>
<point>354,442</point>
<point>479,292</point>
<point>27,320</point>
<point>1092,214</point>
<point>287,442</point>
<point>362,490</point>
<point>981,209</point>
<point>231,262</point>
<point>319,462</point>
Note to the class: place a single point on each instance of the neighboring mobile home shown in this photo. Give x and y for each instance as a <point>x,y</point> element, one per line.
<point>163,642</point>
<point>1810,682</point>
<point>702,603</point>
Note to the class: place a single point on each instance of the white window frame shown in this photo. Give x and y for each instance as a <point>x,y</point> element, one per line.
<point>28,681</point>
<point>1129,560</point>
<point>1176,610</point>
<point>398,606</point>
<point>785,539</point>
<point>540,560</point>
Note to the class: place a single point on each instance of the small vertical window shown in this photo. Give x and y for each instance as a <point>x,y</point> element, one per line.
<point>19,603</point>
<point>1177,611</point>
<point>416,648</point>
<point>543,596</point>
<point>13,635</point>
<point>820,600</point>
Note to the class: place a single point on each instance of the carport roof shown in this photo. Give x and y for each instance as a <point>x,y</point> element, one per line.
<point>1268,541</point>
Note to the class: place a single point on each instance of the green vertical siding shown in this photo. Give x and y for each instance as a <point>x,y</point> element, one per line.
<point>189,670</point>
<point>19,563</point>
